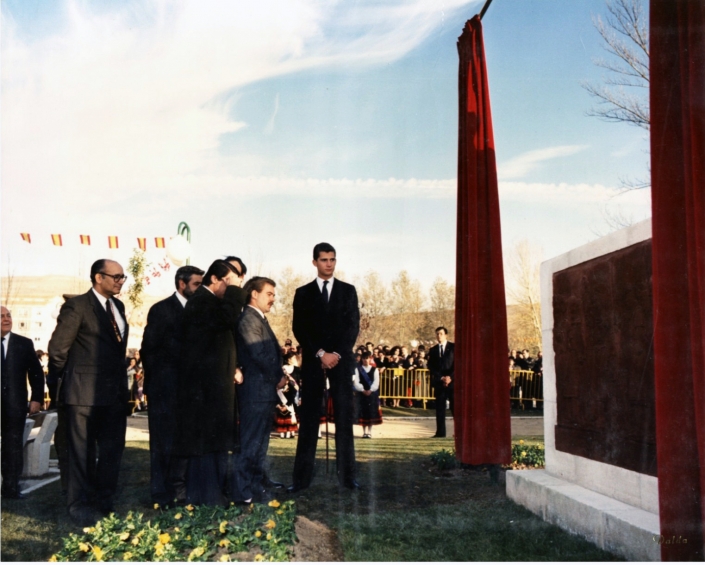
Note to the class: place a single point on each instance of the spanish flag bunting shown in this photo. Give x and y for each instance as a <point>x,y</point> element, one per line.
<point>159,242</point>
<point>56,239</point>
<point>112,242</point>
<point>142,242</point>
<point>85,240</point>
<point>25,237</point>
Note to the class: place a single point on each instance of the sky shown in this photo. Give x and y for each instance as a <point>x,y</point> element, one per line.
<point>270,126</point>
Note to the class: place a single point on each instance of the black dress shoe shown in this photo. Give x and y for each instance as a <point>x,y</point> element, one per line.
<point>294,488</point>
<point>269,483</point>
<point>352,485</point>
<point>14,495</point>
<point>438,435</point>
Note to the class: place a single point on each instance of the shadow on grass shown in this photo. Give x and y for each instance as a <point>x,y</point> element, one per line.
<point>405,512</point>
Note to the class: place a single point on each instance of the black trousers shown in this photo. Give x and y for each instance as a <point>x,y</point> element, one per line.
<point>443,393</point>
<point>167,472</point>
<point>12,429</point>
<point>91,431</point>
<point>248,469</point>
<point>341,392</point>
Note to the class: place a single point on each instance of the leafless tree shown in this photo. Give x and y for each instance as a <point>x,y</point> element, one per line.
<point>443,304</point>
<point>406,301</point>
<point>283,310</point>
<point>523,289</point>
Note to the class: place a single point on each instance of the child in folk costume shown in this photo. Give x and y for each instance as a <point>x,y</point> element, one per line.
<point>285,422</point>
<point>366,383</point>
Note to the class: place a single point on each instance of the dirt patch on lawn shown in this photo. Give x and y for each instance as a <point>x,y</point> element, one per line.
<point>316,542</point>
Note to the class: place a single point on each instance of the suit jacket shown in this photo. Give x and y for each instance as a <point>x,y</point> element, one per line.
<point>442,366</point>
<point>85,354</point>
<point>161,348</point>
<point>260,357</point>
<point>332,327</point>
<point>206,387</point>
<point>20,364</point>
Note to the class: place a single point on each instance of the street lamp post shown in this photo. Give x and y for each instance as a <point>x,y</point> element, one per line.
<point>179,247</point>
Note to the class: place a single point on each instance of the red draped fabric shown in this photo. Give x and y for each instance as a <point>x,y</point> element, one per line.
<point>677,92</point>
<point>482,423</point>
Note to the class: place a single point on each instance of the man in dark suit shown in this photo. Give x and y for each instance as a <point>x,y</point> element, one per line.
<point>261,361</point>
<point>326,325</point>
<point>441,364</point>
<point>87,355</point>
<point>19,363</point>
<point>206,386</point>
<point>161,353</point>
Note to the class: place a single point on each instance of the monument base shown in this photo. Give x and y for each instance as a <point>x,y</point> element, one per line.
<point>608,523</point>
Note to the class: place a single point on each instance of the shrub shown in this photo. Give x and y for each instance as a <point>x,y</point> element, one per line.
<point>257,532</point>
<point>528,456</point>
<point>445,459</point>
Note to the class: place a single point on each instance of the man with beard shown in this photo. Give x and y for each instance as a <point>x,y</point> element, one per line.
<point>261,360</point>
<point>161,352</point>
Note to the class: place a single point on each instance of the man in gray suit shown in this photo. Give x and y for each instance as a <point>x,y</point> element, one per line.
<point>260,356</point>
<point>87,359</point>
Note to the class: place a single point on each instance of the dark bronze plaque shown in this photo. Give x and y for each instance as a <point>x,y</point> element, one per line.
<point>602,338</point>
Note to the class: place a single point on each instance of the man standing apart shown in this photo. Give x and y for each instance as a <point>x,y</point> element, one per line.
<point>161,353</point>
<point>87,353</point>
<point>19,363</point>
<point>261,360</point>
<point>326,325</point>
<point>441,364</point>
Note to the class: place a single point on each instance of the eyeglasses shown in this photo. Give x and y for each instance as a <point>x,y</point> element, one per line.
<point>116,278</point>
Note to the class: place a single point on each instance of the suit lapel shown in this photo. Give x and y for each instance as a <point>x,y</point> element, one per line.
<point>103,318</point>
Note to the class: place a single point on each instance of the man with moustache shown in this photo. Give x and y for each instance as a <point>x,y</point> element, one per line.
<point>87,357</point>
<point>326,325</point>
<point>19,365</point>
<point>161,353</point>
<point>261,360</point>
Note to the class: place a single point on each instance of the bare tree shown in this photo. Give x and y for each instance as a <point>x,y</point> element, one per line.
<point>523,289</point>
<point>625,34</point>
<point>443,304</point>
<point>374,306</point>
<point>406,302</point>
<point>283,310</point>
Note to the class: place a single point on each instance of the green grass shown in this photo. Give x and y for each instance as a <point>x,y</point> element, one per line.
<point>406,511</point>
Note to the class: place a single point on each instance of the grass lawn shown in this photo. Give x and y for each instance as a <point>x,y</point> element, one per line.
<point>405,512</point>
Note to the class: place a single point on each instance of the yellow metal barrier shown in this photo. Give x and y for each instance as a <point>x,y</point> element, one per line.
<point>526,387</point>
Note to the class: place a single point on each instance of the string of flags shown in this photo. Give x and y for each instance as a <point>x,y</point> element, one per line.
<point>113,243</point>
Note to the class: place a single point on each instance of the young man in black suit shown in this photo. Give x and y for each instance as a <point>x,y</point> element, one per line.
<point>161,353</point>
<point>19,363</point>
<point>326,325</point>
<point>261,360</point>
<point>87,357</point>
<point>441,364</point>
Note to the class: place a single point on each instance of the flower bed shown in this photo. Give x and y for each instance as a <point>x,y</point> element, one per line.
<point>257,532</point>
<point>524,456</point>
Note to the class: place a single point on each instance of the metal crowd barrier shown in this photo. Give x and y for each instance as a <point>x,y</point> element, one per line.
<point>526,389</point>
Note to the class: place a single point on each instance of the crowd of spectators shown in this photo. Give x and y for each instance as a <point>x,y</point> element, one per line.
<point>521,360</point>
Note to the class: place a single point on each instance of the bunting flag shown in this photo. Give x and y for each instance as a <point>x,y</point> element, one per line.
<point>85,239</point>
<point>159,242</point>
<point>56,239</point>
<point>142,242</point>
<point>112,242</point>
<point>25,237</point>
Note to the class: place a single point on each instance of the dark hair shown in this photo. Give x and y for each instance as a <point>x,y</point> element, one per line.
<point>218,269</point>
<point>185,273</point>
<point>243,268</point>
<point>257,284</point>
<point>439,328</point>
<point>97,267</point>
<point>365,355</point>
<point>288,356</point>
<point>322,248</point>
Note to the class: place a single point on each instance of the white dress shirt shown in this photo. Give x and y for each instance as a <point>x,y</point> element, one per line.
<point>119,320</point>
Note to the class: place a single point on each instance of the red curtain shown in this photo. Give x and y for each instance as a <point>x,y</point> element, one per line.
<point>482,422</point>
<point>677,97</point>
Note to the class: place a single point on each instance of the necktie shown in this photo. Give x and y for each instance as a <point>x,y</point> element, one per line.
<point>441,349</point>
<point>111,315</point>
<point>325,291</point>
<point>3,366</point>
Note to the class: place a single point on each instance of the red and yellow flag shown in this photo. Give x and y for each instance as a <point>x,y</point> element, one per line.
<point>142,242</point>
<point>112,242</point>
<point>25,237</point>
<point>85,239</point>
<point>159,242</point>
<point>56,239</point>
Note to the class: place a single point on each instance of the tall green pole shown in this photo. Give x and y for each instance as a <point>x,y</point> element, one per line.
<point>184,230</point>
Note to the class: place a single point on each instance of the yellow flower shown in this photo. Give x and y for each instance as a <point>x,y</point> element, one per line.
<point>130,526</point>
<point>159,549</point>
<point>190,508</point>
<point>156,506</point>
<point>164,538</point>
<point>269,536</point>
<point>88,530</point>
<point>98,553</point>
<point>521,442</point>
<point>52,559</point>
<point>252,505</point>
<point>232,504</point>
<point>135,541</point>
<point>222,527</point>
<point>126,556</point>
<point>83,547</point>
<point>271,524</point>
<point>178,516</point>
<point>224,557</point>
<point>124,536</point>
<point>523,453</point>
<point>274,503</point>
<point>188,538</point>
<point>258,534</point>
<point>280,512</point>
<point>259,557</point>
<point>197,552</point>
<point>176,529</point>
<point>224,543</point>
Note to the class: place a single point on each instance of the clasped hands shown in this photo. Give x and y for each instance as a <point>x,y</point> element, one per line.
<point>446,380</point>
<point>329,360</point>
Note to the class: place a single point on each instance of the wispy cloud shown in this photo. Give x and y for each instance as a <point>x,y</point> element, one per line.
<point>528,162</point>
